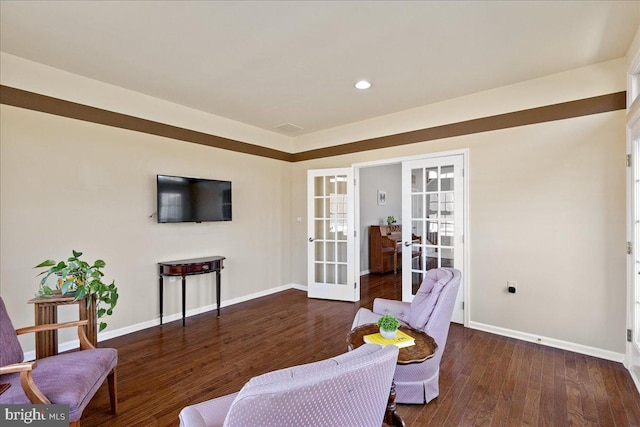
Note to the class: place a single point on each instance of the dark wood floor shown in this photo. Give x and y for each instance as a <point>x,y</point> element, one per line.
<point>485,379</point>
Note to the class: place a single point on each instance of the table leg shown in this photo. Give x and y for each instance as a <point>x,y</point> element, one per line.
<point>89,314</point>
<point>161,298</point>
<point>46,341</point>
<point>184,304</point>
<point>391,417</point>
<point>218,290</point>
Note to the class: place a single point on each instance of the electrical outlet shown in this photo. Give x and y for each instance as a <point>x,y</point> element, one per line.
<point>512,286</point>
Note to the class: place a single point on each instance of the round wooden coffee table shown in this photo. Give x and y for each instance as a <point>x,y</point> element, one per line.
<point>424,348</point>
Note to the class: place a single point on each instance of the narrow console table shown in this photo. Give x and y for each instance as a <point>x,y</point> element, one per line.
<point>190,267</point>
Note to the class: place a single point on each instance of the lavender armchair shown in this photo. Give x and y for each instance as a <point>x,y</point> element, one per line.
<point>351,389</point>
<point>69,378</point>
<point>430,311</point>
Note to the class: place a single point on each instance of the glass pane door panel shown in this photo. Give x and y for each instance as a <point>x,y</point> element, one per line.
<point>417,229</point>
<point>330,185</point>
<point>319,229</point>
<point>431,175</point>
<point>330,231</point>
<point>331,252</point>
<point>319,248</point>
<point>446,178</point>
<point>416,280</point>
<point>446,233</point>
<point>431,234</point>
<point>447,206</point>
<point>447,257</point>
<point>341,184</point>
<point>342,273</point>
<point>331,273</point>
<point>318,184</point>
<point>416,205</point>
<point>318,210</point>
<point>416,180</point>
<point>319,273</point>
<point>432,205</point>
<point>342,252</point>
<point>341,230</point>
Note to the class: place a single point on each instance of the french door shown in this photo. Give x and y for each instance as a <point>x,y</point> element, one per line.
<point>433,222</point>
<point>331,238</point>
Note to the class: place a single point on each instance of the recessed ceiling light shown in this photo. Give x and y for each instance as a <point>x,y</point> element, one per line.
<point>363,84</point>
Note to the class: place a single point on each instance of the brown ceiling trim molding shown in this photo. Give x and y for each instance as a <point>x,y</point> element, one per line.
<point>46,104</point>
<point>565,110</point>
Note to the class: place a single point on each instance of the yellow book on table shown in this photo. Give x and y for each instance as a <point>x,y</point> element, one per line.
<point>401,339</point>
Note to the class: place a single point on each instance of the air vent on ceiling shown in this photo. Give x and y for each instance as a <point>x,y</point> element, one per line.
<point>288,128</point>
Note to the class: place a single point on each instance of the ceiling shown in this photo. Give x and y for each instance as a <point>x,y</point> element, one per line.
<point>269,63</point>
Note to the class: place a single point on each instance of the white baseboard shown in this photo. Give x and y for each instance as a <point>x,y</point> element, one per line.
<point>106,335</point>
<point>551,342</point>
<point>362,273</point>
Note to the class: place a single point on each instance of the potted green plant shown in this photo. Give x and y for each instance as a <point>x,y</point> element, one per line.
<point>83,279</point>
<point>391,220</point>
<point>388,326</point>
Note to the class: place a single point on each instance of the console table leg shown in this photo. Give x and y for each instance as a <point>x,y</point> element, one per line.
<point>218,290</point>
<point>161,298</point>
<point>184,305</point>
<point>391,417</point>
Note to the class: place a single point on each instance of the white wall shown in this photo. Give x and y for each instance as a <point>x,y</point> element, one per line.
<point>547,206</point>
<point>385,178</point>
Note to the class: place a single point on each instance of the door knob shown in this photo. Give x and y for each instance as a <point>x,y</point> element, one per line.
<point>311,239</point>
<point>407,243</point>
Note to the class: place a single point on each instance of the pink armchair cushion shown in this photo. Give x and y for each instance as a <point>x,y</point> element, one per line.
<point>11,350</point>
<point>427,296</point>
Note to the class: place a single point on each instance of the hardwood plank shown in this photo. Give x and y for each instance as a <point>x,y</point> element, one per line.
<point>484,378</point>
<point>587,391</point>
<point>603,408</point>
<point>574,399</point>
<point>532,398</point>
<point>559,389</point>
<point>547,400</point>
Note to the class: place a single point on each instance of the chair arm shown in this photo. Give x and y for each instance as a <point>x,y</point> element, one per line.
<point>51,326</point>
<point>26,380</point>
<point>398,309</point>
<point>17,367</point>
<point>85,344</point>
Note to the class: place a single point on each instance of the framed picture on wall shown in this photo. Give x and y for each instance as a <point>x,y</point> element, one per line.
<point>382,197</point>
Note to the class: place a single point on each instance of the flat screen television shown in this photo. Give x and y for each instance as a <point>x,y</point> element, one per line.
<point>183,199</point>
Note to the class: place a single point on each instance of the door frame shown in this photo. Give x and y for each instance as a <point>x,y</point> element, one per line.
<point>466,277</point>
